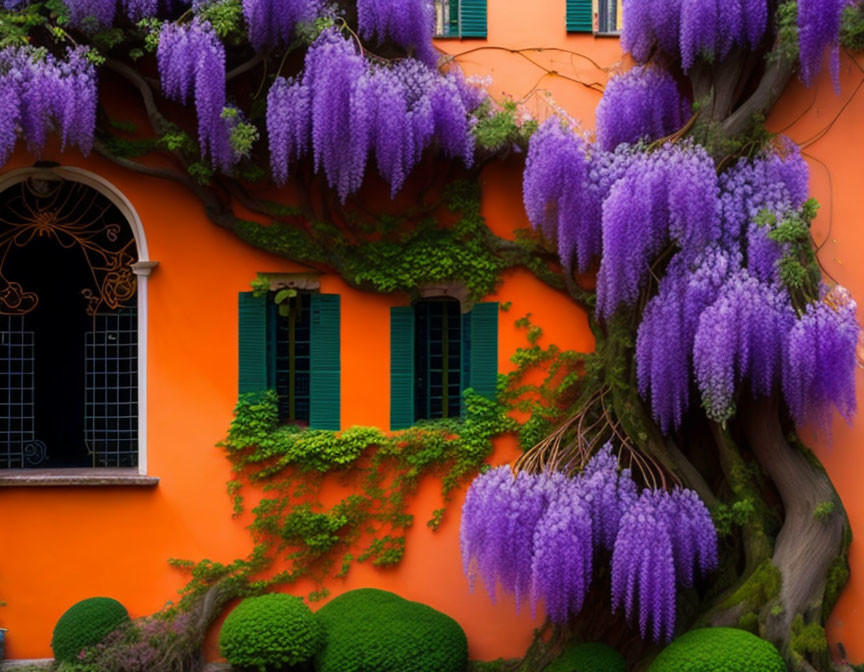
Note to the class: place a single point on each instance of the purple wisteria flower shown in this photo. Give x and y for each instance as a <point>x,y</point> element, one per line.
<point>664,344</point>
<point>43,93</point>
<point>562,565</point>
<point>410,24</point>
<point>192,61</point>
<point>547,531</point>
<point>819,367</point>
<point>273,22</point>
<point>499,519</point>
<point>643,566</point>
<point>642,104</point>
<point>347,111</point>
<point>692,28</point>
<point>554,190</point>
<point>289,125</point>
<point>667,195</point>
<point>739,337</point>
<point>818,30</point>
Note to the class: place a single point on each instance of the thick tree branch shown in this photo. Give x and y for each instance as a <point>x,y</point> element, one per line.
<point>771,86</point>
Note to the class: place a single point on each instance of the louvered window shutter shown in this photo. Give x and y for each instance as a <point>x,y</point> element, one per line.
<point>253,361</point>
<point>325,364</point>
<point>579,19</point>
<point>483,349</point>
<point>401,367</point>
<point>472,18</point>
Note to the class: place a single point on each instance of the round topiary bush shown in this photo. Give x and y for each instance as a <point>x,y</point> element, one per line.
<point>591,657</point>
<point>371,630</point>
<point>718,650</point>
<point>85,624</point>
<point>270,632</point>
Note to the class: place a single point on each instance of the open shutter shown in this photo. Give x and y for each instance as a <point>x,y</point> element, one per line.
<point>483,353</point>
<point>325,365</point>
<point>401,367</point>
<point>252,312</point>
<point>579,16</point>
<point>472,18</point>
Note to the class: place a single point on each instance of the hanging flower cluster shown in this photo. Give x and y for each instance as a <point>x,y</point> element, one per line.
<point>664,344</point>
<point>411,25</point>
<point>539,536</point>
<point>93,15</point>
<point>818,30</point>
<point>642,104</point>
<point>692,28</point>
<point>42,93</point>
<point>346,110</point>
<point>710,30</point>
<point>819,367</point>
<point>273,22</point>
<point>720,314</point>
<point>664,196</point>
<point>740,336</point>
<point>192,61</point>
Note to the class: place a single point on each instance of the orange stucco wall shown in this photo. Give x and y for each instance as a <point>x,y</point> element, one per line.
<point>62,545</point>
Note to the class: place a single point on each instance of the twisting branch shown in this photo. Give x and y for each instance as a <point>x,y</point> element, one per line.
<point>158,121</point>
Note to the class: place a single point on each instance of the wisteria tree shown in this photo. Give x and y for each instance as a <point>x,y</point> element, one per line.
<point>672,478</point>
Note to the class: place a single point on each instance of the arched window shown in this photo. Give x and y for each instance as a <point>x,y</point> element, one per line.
<point>69,326</point>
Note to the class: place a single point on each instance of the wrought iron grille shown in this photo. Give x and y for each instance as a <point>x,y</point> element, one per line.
<point>111,389</point>
<point>18,444</point>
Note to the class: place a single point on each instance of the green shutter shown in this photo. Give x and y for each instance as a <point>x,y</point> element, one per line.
<point>325,363</point>
<point>401,367</point>
<point>579,16</point>
<point>252,319</point>
<point>466,356</point>
<point>484,349</point>
<point>472,18</point>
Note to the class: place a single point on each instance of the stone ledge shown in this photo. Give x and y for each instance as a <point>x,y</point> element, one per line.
<point>41,478</point>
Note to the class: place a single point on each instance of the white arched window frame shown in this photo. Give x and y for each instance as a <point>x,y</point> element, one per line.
<point>142,269</point>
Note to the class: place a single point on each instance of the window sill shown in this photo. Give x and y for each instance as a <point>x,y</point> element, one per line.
<point>42,478</point>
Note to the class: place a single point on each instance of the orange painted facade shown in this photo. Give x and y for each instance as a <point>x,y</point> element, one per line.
<point>65,544</point>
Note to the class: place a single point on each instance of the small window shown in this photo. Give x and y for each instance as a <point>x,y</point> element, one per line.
<point>289,347</point>
<point>607,17</point>
<point>437,359</point>
<point>460,18</point>
<point>436,353</point>
<point>600,17</point>
<point>293,348</point>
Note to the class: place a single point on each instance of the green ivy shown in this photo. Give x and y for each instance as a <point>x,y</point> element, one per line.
<point>398,254</point>
<point>291,465</point>
<point>852,27</point>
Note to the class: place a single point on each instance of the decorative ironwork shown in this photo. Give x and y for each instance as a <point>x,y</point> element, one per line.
<point>80,221</point>
<point>18,444</point>
<point>76,217</point>
<point>111,390</point>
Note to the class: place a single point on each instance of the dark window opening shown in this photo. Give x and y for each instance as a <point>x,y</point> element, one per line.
<point>437,359</point>
<point>447,18</point>
<point>607,18</point>
<point>290,326</point>
<point>68,329</point>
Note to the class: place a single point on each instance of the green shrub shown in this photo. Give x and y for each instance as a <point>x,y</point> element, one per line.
<point>270,632</point>
<point>592,657</point>
<point>371,630</point>
<point>719,650</point>
<point>85,624</point>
